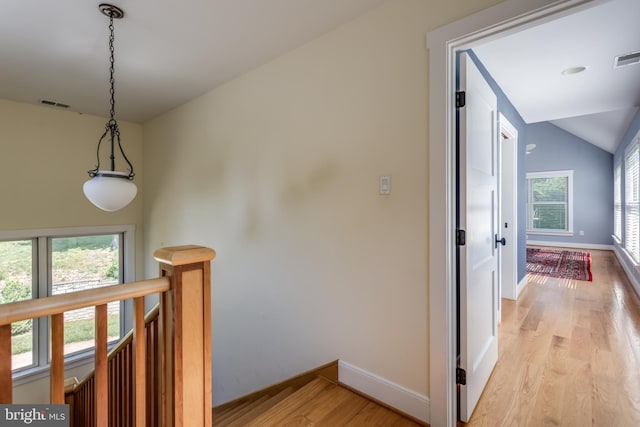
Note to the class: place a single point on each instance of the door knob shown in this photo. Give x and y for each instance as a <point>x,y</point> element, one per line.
<point>503,241</point>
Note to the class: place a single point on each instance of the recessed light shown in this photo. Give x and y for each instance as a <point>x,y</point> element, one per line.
<point>573,70</point>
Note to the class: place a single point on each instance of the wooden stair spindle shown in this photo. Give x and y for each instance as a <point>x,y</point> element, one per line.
<point>189,361</point>
<point>101,369</point>
<point>140,379</point>
<point>57,358</point>
<point>6,391</point>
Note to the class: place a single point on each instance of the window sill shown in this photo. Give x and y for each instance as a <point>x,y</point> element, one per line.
<point>630,260</point>
<point>550,233</point>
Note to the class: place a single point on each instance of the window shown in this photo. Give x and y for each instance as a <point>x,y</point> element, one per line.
<point>632,203</point>
<point>617,202</point>
<point>550,202</point>
<point>17,283</point>
<point>42,263</point>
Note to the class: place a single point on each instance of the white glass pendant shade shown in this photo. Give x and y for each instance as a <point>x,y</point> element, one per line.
<point>110,191</point>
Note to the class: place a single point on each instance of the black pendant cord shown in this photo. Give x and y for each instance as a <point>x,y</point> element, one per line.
<point>112,125</point>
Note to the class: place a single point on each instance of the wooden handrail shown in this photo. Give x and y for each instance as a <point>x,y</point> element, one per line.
<point>183,334</point>
<point>33,308</point>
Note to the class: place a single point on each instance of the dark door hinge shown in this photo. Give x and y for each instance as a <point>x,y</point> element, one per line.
<point>461,100</point>
<point>461,376</point>
<point>461,238</point>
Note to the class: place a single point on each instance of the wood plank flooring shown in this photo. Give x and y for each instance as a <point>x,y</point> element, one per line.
<point>569,354</point>
<point>318,403</point>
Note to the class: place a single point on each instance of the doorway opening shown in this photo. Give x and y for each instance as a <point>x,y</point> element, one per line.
<point>443,44</point>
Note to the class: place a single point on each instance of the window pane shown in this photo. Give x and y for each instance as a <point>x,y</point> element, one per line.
<point>549,201</point>
<point>617,202</point>
<point>79,263</point>
<point>550,216</point>
<point>16,284</point>
<point>632,203</point>
<point>551,189</point>
<point>632,230</point>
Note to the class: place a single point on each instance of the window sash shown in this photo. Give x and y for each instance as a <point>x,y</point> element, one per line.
<point>617,202</point>
<point>541,217</point>
<point>538,222</point>
<point>632,203</point>
<point>12,288</point>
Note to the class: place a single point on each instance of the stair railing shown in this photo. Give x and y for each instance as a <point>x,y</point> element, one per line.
<point>80,396</point>
<point>184,287</point>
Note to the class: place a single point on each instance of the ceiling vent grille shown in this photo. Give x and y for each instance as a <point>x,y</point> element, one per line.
<point>627,59</point>
<point>53,103</point>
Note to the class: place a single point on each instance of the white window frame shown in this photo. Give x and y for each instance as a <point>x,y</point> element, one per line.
<point>617,203</point>
<point>631,241</point>
<point>569,204</point>
<point>40,368</point>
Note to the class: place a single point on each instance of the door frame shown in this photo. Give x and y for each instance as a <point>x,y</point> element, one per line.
<point>508,186</point>
<point>443,43</point>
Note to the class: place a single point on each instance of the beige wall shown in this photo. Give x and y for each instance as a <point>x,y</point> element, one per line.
<point>278,171</point>
<point>44,156</point>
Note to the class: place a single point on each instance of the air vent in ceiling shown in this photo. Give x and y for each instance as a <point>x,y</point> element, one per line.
<point>53,103</point>
<point>627,59</point>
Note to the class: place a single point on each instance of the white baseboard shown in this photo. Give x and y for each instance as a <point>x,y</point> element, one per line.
<point>521,285</point>
<point>385,391</point>
<point>571,245</point>
<point>623,260</point>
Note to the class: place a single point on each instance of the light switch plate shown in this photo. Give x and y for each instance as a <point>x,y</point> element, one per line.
<point>385,185</point>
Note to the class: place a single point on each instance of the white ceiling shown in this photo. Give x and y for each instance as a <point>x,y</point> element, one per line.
<point>596,105</point>
<point>166,52</point>
<point>170,52</point>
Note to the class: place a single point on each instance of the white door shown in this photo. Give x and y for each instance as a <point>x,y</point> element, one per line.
<point>478,217</point>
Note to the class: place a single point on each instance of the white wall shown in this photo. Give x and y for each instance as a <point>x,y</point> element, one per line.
<point>278,172</point>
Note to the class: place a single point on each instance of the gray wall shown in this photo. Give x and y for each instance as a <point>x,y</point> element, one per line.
<point>628,264</point>
<point>557,149</point>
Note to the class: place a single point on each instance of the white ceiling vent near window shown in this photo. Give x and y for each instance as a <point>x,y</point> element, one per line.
<point>627,59</point>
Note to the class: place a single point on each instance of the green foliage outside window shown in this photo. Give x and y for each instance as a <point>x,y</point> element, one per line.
<point>549,199</point>
<point>93,260</point>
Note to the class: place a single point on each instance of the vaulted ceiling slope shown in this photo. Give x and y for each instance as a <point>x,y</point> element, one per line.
<point>166,52</point>
<point>598,104</point>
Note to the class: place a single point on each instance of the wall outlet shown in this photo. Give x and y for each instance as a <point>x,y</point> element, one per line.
<point>581,232</point>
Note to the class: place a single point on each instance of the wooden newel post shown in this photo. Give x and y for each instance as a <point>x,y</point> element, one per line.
<point>185,318</point>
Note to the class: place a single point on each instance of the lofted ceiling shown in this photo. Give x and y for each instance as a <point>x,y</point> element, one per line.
<point>166,52</point>
<point>170,52</point>
<point>598,104</point>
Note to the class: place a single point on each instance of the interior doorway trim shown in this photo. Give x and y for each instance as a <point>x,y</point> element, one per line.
<point>443,43</point>
<point>508,209</point>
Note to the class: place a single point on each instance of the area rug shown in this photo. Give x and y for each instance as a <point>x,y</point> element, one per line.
<point>559,263</point>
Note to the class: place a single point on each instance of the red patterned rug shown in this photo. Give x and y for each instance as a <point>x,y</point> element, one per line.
<point>559,263</point>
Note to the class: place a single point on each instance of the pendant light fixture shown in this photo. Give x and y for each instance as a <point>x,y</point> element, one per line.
<point>111,190</point>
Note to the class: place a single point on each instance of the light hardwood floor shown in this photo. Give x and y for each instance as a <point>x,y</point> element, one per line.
<point>323,403</point>
<point>320,402</point>
<point>569,354</point>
